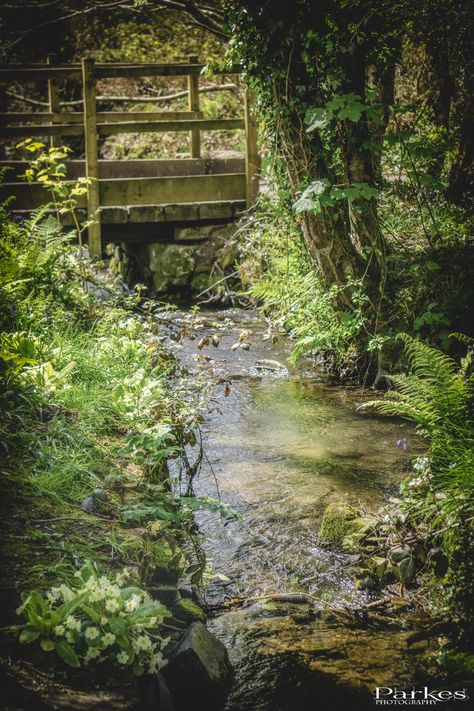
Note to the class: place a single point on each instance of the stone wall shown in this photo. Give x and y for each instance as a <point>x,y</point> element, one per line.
<point>183,260</point>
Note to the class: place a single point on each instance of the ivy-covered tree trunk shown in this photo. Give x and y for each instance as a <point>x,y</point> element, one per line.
<point>327,232</point>
<point>313,73</point>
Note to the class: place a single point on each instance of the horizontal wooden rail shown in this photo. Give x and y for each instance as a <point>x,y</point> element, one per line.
<point>141,191</point>
<point>138,168</point>
<point>39,117</point>
<point>110,129</point>
<point>76,129</point>
<point>38,72</point>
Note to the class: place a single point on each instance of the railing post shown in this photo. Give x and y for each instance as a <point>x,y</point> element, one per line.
<point>53,101</point>
<point>252,160</point>
<point>92,162</point>
<point>193,105</point>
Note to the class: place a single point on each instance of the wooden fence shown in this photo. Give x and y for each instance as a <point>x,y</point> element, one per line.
<point>151,190</point>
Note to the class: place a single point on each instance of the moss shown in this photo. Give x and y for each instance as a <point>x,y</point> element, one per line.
<point>189,611</point>
<point>338,521</point>
<point>201,281</point>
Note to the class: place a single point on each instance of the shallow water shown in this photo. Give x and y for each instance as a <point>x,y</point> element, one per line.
<point>281,446</point>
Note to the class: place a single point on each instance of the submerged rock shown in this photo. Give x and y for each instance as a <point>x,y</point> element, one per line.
<point>199,669</point>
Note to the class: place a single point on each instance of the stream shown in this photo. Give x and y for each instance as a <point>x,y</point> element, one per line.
<point>282,443</point>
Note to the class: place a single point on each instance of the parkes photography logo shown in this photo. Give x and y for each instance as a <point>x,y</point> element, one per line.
<point>391,696</point>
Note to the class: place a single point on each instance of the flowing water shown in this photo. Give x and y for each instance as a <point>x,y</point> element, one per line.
<point>281,444</point>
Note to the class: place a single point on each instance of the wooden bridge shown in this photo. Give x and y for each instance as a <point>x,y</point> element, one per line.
<point>133,191</point>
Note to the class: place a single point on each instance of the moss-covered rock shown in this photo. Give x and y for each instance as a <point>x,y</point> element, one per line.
<point>171,264</point>
<point>338,521</point>
<point>201,281</point>
<point>188,611</point>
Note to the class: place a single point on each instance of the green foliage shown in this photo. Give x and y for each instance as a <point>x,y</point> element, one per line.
<point>321,194</point>
<point>438,396</point>
<point>276,268</point>
<point>96,619</point>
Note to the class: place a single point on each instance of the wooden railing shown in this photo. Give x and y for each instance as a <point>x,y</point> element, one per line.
<point>92,124</point>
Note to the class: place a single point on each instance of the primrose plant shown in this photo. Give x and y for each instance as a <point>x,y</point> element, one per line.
<point>96,619</point>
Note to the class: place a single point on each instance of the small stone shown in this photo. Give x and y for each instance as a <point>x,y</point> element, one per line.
<point>202,660</point>
<point>89,505</point>
<point>100,494</point>
<point>187,610</point>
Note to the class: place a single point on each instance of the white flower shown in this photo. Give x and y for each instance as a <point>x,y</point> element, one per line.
<point>104,620</point>
<point>92,653</point>
<point>123,576</point>
<point>72,624</point>
<point>157,662</point>
<point>133,603</point>
<point>54,594</point>
<point>142,643</point>
<point>122,658</point>
<point>69,637</point>
<point>67,593</point>
<point>59,630</point>
<point>113,591</point>
<point>111,605</point>
<point>91,633</point>
<point>97,594</point>
<point>108,639</point>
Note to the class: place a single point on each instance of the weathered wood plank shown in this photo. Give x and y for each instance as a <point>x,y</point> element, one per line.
<point>170,126</point>
<point>92,157</point>
<point>147,191</point>
<point>29,197</point>
<point>143,168</point>
<point>141,191</point>
<point>42,130</point>
<point>78,117</point>
<point>193,105</point>
<point>38,72</point>
<point>18,73</point>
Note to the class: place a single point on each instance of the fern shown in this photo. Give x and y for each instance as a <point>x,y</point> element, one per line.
<point>435,394</point>
<point>438,396</point>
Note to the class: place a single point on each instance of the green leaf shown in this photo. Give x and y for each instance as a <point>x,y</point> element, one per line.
<point>306,205</point>
<point>118,626</point>
<point>28,635</point>
<point>67,653</point>
<point>47,645</point>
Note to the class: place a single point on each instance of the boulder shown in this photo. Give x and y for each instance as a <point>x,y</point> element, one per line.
<point>337,522</point>
<point>199,672</point>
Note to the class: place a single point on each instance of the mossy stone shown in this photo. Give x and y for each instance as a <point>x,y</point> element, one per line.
<point>338,521</point>
<point>188,611</point>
